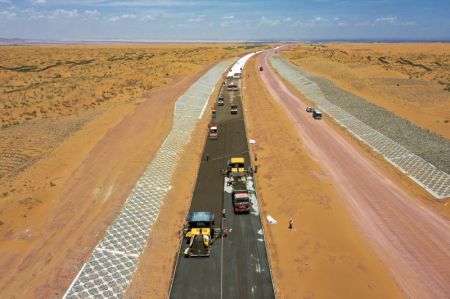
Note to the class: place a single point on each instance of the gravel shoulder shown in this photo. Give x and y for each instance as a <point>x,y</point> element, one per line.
<point>430,146</point>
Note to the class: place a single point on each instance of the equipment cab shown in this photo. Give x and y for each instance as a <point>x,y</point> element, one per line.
<point>236,165</point>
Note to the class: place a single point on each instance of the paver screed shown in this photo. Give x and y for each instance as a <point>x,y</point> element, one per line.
<point>108,272</point>
<point>425,174</point>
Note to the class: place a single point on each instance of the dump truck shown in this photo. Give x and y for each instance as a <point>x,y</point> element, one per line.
<point>239,196</point>
<point>199,233</point>
<point>236,166</point>
<point>234,109</point>
<point>221,101</point>
<point>213,131</point>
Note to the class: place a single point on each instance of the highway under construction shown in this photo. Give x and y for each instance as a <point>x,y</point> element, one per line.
<point>237,266</point>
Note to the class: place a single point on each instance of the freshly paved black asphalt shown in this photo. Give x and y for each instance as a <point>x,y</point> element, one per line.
<point>238,265</point>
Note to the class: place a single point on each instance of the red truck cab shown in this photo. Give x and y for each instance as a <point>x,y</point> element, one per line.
<point>240,197</point>
<point>241,202</point>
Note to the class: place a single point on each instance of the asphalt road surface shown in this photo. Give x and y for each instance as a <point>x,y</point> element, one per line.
<point>412,240</point>
<point>238,265</point>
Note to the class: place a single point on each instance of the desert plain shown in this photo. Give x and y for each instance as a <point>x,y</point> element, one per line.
<point>79,126</point>
<point>80,123</point>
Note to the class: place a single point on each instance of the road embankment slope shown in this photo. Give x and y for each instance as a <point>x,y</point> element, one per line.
<point>324,255</point>
<point>410,239</point>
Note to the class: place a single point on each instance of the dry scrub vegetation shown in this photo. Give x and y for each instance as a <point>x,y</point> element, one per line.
<point>411,80</point>
<point>49,92</point>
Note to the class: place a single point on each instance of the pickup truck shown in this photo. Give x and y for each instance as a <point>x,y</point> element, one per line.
<point>240,197</point>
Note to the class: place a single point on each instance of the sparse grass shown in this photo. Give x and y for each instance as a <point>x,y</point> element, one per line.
<point>43,75</point>
<point>410,80</point>
<point>49,92</point>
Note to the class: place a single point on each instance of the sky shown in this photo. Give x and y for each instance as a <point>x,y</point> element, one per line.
<point>225,20</point>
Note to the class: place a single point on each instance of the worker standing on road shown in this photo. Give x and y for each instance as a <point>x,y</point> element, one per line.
<point>207,157</point>
<point>291,223</point>
<point>224,213</point>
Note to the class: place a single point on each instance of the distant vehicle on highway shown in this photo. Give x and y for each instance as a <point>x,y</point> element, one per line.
<point>309,109</point>
<point>232,86</point>
<point>234,109</point>
<point>221,101</point>
<point>316,114</point>
<point>213,132</point>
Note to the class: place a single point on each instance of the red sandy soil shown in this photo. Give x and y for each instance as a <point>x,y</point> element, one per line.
<point>47,237</point>
<point>410,238</point>
<point>324,255</point>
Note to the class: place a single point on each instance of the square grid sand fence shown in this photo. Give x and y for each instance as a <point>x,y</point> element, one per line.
<point>425,174</point>
<point>109,270</point>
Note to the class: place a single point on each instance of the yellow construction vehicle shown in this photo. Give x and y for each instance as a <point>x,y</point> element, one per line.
<point>199,233</point>
<point>236,166</point>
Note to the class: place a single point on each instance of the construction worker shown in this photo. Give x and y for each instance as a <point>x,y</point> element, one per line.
<point>291,223</point>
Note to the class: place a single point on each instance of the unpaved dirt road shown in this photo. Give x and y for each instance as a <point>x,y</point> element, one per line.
<point>413,241</point>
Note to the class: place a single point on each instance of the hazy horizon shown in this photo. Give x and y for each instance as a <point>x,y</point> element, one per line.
<point>200,20</point>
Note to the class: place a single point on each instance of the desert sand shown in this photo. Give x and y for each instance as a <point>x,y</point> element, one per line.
<point>410,80</point>
<point>57,201</point>
<point>324,255</point>
<point>57,205</point>
<point>157,262</point>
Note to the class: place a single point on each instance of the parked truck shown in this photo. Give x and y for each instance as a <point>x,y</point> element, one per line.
<point>240,196</point>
